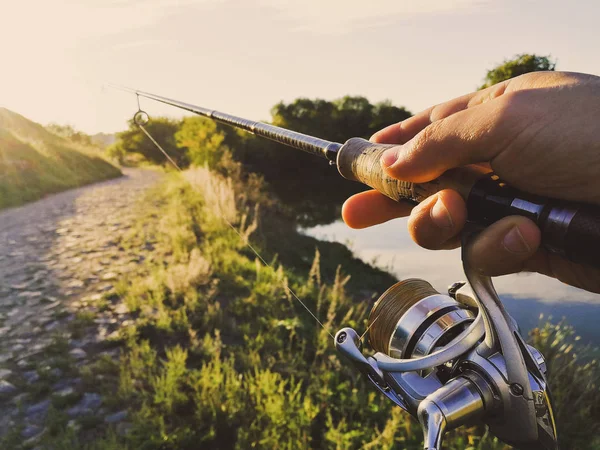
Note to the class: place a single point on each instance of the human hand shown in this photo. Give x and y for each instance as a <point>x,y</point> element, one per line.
<point>539,132</point>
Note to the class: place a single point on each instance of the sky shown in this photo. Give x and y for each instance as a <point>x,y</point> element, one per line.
<point>243,56</point>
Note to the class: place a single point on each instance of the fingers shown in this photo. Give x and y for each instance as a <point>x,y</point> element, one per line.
<point>467,130</point>
<point>437,221</point>
<point>474,135</point>
<point>371,208</point>
<point>505,246</point>
<point>402,132</point>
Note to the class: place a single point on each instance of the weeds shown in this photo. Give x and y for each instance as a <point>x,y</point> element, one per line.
<point>81,321</point>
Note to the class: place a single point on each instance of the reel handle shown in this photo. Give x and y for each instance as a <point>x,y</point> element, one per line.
<point>568,228</point>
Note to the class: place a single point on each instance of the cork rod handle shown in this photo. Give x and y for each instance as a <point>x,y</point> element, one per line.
<point>359,160</point>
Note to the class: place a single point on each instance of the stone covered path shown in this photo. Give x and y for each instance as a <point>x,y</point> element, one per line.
<point>57,255</point>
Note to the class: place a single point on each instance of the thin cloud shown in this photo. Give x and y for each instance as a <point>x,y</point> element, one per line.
<point>340,16</point>
<point>64,24</point>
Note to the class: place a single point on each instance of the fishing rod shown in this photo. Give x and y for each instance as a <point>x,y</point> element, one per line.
<point>569,229</point>
<point>447,359</point>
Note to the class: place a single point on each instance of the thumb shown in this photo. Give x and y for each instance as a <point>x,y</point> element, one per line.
<point>505,246</point>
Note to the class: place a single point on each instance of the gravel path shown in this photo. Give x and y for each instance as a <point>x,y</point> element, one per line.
<point>56,255</point>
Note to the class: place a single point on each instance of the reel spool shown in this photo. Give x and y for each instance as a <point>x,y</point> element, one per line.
<point>412,319</point>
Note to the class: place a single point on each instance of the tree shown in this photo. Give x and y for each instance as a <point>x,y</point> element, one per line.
<point>353,117</point>
<point>162,129</point>
<point>116,152</point>
<point>338,120</point>
<point>70,133</point>
<point>316,117</point>
<point>203,139</point>
<point>384,114</point>
<point>519,65</point>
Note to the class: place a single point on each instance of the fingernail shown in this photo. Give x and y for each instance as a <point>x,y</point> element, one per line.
<point>389,157</point>
<point>514,241</point>
<point>440,215</point>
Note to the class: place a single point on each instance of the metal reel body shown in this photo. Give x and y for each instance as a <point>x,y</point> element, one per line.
<point>494,368</point>
<point>456,368</point>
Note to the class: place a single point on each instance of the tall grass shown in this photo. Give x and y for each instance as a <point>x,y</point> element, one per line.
<point>217,193</point>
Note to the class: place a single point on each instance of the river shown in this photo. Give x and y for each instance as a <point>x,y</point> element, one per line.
<point>526,296</point>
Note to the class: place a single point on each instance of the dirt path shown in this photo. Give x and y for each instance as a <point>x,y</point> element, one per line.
<point>55,255</point>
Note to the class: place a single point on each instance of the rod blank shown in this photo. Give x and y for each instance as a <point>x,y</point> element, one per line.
<point>309,144</point>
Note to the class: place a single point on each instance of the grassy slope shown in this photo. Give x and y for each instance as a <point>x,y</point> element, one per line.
<point>220,356</point>
<point>35,162</point>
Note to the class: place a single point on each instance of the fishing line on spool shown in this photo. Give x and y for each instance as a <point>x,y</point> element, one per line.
<point>369,327</point>
<point>141,118</point>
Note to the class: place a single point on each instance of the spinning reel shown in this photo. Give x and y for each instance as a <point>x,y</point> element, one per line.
<point>456,359</point>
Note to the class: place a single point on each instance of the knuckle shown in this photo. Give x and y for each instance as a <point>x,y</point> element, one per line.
<point>549,79</point>
<point>437,113</point>
<point>488,94</point>
<point>514,100</point>
<point>426,138</point>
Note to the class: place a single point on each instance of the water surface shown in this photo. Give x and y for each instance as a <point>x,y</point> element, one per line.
<point>526,296</point>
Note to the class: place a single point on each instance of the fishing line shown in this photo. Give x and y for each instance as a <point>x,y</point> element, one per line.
<point>160,148</point>
<point>140,118</point>
<point>391,306</point>
<point>368,328</point>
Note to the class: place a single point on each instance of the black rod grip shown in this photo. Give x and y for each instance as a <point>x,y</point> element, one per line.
<point>569,229</point>
<point>582,240</point>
